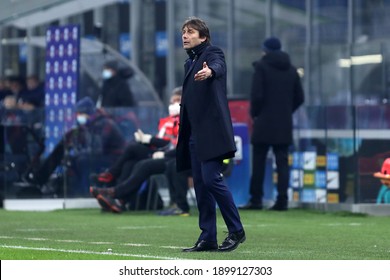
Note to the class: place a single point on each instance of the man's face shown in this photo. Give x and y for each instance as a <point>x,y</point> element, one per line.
<point>190,37</point>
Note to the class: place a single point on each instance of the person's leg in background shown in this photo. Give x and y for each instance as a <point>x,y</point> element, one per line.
<point>140,173</point>
<point>282,169</point>
<point>181,186</point>
<point>42,174</point>
<point>127,169</point>
<point>178,188</point>
<point>79,172</point>
<point>169,173</point>
<point>132,154</point>
<point>259,159</point>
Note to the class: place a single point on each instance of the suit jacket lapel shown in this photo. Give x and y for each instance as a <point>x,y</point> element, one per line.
<point>196,59</point>
<point>190,68</point>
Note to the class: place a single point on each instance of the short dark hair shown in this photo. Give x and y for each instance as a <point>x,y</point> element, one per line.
<point>199,25</point>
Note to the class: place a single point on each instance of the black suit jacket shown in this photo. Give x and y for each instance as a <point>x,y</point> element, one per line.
<point>204,112</point>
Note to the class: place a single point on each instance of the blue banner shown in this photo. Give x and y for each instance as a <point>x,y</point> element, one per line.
<point>125,44</point>
<point>62,79</point>
<point>161,44</point>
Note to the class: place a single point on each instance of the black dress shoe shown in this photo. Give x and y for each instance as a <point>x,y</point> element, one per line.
<point>202,246</point>
<point>251,206</point>
<point>232,241</point>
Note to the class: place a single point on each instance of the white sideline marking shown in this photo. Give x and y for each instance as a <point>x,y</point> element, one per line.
<point>40,229</point>
<point>68,241</point>
<point>75,241</point>
<point>36,239</point>
<point>341,224</point>
<point>135,245</point>
<point>171,247</point>
<point>87,252</point>
<point>95,242</point>
<point>259,225</point>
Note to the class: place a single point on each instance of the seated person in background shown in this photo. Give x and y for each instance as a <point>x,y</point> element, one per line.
<point>17,88</point>
<point>141,160</point>
<point>35,93</point>
<point>115,90</point>
<point>113,199</point>
<point>4,88</point>
<point>145,144</point>
<point>17,109</point>
<point>24,94</point>
<point>95,136</point>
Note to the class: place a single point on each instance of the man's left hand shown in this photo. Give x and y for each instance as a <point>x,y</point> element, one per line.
<point>203,74</point>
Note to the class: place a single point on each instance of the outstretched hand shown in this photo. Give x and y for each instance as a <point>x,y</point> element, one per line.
<point>203,74</point>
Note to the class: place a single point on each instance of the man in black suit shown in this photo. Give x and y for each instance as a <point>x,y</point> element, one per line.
<point>206,136</point>
<point>276,93</point>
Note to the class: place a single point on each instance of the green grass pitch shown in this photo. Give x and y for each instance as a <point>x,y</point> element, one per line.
<point>88,234</point>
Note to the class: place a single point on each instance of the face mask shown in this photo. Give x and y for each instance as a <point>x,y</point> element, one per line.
<point>174,109</point>
<point>106,74</point>
<point>82,119</point>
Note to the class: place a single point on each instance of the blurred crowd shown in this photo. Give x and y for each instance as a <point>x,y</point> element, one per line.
<point>18,92</point>
<point>91,149</point>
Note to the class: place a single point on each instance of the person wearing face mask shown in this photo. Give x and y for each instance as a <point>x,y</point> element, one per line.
<point>95,140</point>
<point>147,150</point>
<point>115,90</point>
<point>145,144</point>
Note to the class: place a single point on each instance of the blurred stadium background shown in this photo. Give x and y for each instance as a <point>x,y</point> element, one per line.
<point>341,49</point>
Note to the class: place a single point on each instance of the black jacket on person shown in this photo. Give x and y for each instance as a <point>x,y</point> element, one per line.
<point>116,93</point>
<point>100,138</point>
<point>204,111</point>
<point>276,93</point>
<point>34,96</point>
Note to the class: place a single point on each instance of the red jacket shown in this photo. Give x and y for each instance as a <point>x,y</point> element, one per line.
<point>168,129</point>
